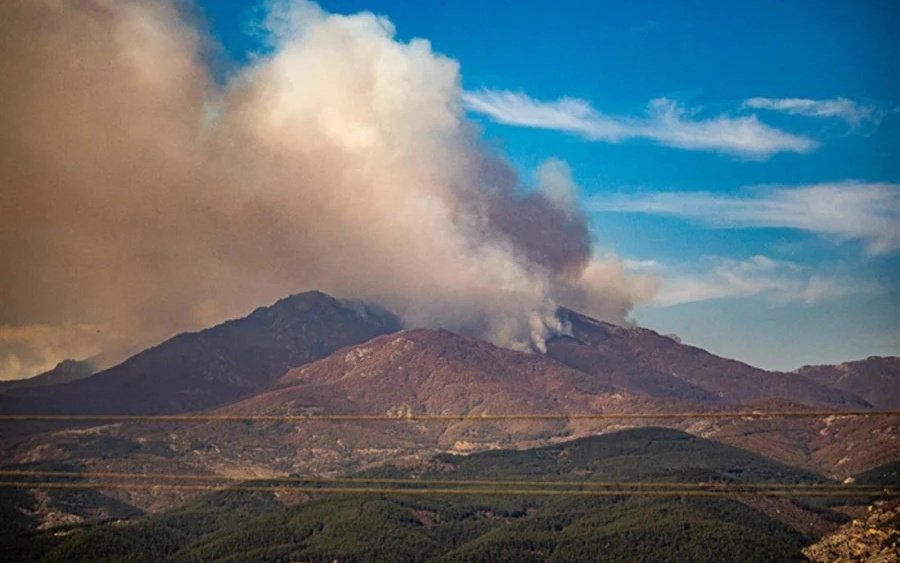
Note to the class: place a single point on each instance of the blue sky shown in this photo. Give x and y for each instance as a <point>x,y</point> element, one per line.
<point>744,152</point>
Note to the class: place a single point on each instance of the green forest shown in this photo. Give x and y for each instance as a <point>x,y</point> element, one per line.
<point>237,525</point>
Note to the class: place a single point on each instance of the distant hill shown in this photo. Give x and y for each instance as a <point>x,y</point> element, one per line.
<point>64,372</point>
<point>216,366</point>
<point>243,526</point>
<point>644,361</point>
<point>638,454</point>
<point>887,474</point>
<point>875,379</point>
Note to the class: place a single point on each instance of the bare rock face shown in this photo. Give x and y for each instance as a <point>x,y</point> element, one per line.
<point>873,539</point>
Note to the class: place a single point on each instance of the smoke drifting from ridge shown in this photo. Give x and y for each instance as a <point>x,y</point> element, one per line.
<point>139,198</point>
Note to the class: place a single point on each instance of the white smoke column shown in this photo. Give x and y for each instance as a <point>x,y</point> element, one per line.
<point>340,160</point>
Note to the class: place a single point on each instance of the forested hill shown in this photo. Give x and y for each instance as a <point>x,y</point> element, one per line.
<point>259,526</point>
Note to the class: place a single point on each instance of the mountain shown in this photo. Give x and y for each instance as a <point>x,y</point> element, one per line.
<point>422,371</point>
<point>875,379</point>
<point>347,361</point>
<point>216,366</point>
<point>64,372</point>
<point>643,361</point>
<point>414,371</point>
<point>432,372</point>
<point>237,525</point>
<point>439,372</point>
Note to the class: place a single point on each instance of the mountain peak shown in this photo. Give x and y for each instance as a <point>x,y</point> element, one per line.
<point>305,301</point>
<point>312,302</point>
<point>218,365</point>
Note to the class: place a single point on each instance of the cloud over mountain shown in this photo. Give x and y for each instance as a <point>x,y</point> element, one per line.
<point>142,197</point>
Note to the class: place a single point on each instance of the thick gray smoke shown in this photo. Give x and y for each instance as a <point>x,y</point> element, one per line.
<point>139,197</point>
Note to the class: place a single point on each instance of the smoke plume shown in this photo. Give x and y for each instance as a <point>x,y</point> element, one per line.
<point>140,196</point>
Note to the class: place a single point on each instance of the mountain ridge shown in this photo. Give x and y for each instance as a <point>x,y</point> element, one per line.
<point>64,372</point>
<point>643,360</point>
<point>213,366</point>
<point>424,371</point>
<point>435,372</point>
<point>218,365</point>
<point>876,379</point>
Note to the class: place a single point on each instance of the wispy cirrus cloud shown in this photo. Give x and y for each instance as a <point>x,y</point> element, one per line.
<point>852,112</point>
<point>777,281</point>
<point>851,210</point>
<point>666,123</point>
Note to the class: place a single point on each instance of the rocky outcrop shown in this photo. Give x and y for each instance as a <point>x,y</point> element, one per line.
<point>873,539</point>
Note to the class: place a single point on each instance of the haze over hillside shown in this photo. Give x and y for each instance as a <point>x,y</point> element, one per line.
<point>65,371</point>
<point>215,366</point>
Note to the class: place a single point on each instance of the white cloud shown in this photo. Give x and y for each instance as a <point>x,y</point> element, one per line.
<point>666,123</point>
<point>848,110</point>
<point>642,265</point>
<point>779,282</point>
<point>566,114</point>
<point>850,210</point>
